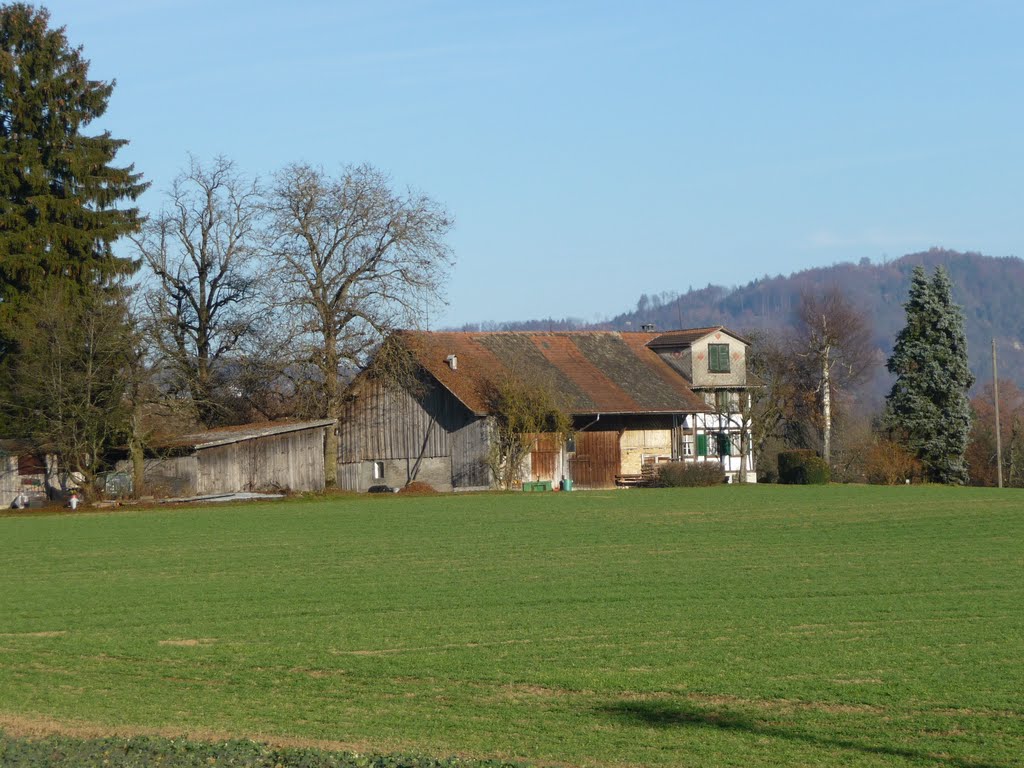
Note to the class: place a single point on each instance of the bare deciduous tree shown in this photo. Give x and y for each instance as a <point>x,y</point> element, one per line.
<point>202,252</point>
<point>355,260</point>
<point>834,337</point>
<point>522,409</point>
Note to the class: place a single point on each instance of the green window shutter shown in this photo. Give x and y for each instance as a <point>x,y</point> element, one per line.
<point>718,358</point>
<point>724,446</point>
<point>702,445</point>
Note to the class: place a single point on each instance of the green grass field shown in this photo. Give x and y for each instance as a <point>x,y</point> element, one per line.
<point>740,626</point>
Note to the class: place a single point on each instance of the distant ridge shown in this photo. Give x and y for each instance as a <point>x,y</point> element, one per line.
<point>990,290</point>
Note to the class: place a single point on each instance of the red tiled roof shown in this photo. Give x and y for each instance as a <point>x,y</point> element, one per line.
<point>592,371</point>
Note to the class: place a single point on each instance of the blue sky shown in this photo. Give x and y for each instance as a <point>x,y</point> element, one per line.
<point>593,151</point>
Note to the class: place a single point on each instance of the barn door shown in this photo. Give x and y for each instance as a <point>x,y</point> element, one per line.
<point>597,460</point>
<point>543,457</point>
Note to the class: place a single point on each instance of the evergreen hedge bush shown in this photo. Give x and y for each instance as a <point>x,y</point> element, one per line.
<point>802,467</point>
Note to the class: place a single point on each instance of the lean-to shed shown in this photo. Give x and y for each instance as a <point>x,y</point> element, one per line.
<point>249,457</point>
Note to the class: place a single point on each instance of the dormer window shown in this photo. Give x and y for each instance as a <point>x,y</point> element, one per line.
<point>718,358</point>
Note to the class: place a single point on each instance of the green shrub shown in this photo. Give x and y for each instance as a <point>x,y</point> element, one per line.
<point>687,474</point>
<point>802,467</point>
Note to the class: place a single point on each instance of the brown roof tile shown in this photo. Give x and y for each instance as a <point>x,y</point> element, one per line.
<point>592,371</point>
<point>686,337</point>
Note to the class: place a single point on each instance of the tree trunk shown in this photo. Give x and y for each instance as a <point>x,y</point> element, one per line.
<point>138,459</point>
<point>826,410</point>
<point>333,398</point>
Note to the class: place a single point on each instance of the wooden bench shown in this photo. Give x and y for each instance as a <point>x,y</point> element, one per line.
<point>629,480</point>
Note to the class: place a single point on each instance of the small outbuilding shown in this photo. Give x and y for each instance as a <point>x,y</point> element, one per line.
<point>283,456</point>
<point>23,475</point>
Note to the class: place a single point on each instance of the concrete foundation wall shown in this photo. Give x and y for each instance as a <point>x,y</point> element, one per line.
<point>362,475</point>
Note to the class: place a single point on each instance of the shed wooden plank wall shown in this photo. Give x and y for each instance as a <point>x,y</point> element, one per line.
<point>171,476</point>
<point>293,460</point>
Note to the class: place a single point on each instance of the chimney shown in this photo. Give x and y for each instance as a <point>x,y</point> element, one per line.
<point>453,362</point>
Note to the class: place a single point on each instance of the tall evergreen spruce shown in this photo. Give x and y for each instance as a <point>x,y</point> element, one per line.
<point>928,409</point>
<point>58,188</point>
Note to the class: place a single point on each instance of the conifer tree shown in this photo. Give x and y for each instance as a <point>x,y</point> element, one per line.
<point>928,409</point>
<point>58,188</point>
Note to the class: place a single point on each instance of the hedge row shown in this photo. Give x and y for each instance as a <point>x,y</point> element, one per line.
<point>686,474</point>
<point>150,752</point>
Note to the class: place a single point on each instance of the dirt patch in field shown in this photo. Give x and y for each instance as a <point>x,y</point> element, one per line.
<point>190,642</point>
<point>968,712</point>
<point>54,633</point>
<point>518,692</point>
<point>38,727</point>
<point>418,488</point>
<point>21,726</point>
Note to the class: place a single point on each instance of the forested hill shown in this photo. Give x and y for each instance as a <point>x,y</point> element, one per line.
<point>990,290</point>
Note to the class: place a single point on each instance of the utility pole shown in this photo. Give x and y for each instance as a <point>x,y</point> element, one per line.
<point>999,437</point>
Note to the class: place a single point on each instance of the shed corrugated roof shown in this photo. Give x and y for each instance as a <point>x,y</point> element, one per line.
<point>225,435</point>
<point>591,371</point>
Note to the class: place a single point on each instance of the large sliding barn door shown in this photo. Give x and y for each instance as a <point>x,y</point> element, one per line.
<point>597,460</point>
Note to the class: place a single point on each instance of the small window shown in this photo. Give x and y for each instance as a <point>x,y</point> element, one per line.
<point>722,401</point>
<point>378,470</point>
<point>687,445</point>
<point>724,444</point>
<point>718,358</point>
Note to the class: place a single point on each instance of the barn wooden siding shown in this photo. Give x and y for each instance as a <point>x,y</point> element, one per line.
<point>383,423</point>
<point>171,476</point>
<point>293,460</point>
<point>470,445</point>
<point>597,459</point>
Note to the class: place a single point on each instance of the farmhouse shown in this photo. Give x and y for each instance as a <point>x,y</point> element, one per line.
<point>636,399</point>
<point>249,457</point>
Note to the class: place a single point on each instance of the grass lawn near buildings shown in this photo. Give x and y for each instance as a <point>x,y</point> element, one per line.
<point>734,626</point>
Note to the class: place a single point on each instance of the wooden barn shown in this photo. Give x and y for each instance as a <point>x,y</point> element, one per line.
<point>631,396</point>
<point>251,457</point>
